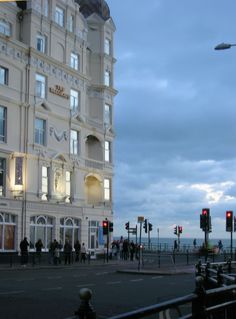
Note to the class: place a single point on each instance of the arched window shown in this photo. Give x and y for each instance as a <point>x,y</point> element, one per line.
<point>41,227</point>
<point>70,230</point>
<point>7,231</point>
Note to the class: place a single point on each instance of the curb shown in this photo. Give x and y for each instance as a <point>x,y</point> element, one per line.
<point>158,272</point>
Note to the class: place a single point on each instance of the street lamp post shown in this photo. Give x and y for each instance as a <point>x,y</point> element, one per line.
<point>224,46</point>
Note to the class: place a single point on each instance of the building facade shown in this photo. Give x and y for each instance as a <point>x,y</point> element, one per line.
<point>56,121</point>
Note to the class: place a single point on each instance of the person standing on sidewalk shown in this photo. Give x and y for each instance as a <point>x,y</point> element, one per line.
<point>83,253</point>
<point>77,248</point>
<point>39,246</point>
<point>67,252</point>
<point>24,251</point>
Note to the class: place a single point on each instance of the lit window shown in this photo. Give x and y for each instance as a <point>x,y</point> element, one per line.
<point>19,171</point>
<point>40,131</point>
<point>5,28</point>
<point>44,183</point>
<point>74,61</point>
<point>71,23</point>
<point>107,46</point>
<point>107,189</point>
<point>107,78</point>
<point>3,75</point>
<point>41,43</point>
<point>107,151</point>
<point>40,86</point>
<point>2,176</point>
<point>74,100</point>
<point>59,16</point>
<point>74,142</point>
<point>68,185</point>
<point>107,114</point>
<point>3,118</point>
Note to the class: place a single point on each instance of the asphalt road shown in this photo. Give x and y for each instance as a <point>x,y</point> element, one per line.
<point>53,293</point>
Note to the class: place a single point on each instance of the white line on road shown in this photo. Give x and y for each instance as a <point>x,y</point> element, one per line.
<point>12,292</point>
<point>157,277</point>
<point>53,288</point>
<point>77,276</point>
<point>136,280</point>
<point>101,273</point>
<point>54,277</point>
<point>85,285</point>
<point>113,282</point>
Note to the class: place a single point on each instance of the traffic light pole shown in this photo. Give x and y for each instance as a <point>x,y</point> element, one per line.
<point>140,238</point>
<point>231,244</point>
<point>107,246</point>
<point>149,240</point>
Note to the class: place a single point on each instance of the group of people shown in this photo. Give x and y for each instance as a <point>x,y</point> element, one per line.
<point>56,251</point>
<point>124,249</point>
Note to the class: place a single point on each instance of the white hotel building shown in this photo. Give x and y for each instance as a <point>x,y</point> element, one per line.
<point>56,121</point>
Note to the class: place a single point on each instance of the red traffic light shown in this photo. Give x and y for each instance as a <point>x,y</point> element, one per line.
<point>104,224</point>
<point>229,214</point>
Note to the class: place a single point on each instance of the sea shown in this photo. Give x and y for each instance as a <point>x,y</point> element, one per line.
<point>185,243</point>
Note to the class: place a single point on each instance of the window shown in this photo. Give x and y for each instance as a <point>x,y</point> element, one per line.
<point>44,183</point>
<point>2,176</point>
<point>3,116</point>
<point>40,86</point>
<point>71,23</point>
<point>40,131</point>
<point>93,234</point>
<point>74,61</point>
<point>74,142</point>
<point>107,114</point>
<point>70,230</point>
<point>74,100</point>
<point>41,227</point>
<point>5,28</point>
<point>107,151</point>
<point>59,16</point>
<point>19,171</point>
<point>107,46</point>
<point>107,78</point>
<point>7,231</point>
<point>3,75</point>
<point>68,186</point>
<point>41,43</point>
<point>107,189</point>
<point>45,8</point>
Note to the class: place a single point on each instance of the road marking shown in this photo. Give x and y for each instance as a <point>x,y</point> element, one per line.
<point>77,276</point>
<point>157,277</point>
<point>12,292</point>
<point>26,279</point>
<point>113,282</point>
<point>53,288</point>
<point>54,277</point>
<point>101,273</point>
<point>136,280</point>
<point>85,285</point>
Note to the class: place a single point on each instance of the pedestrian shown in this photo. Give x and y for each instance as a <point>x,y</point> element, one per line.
<point>39,246</point>
<point>67,252</point>
<point>220,246</point>
<point>77,247</point>
<point>194,243</point>
<point>24,251</point>
<point>132,250</point>
<point>83,253</point>
<point>175,245</point>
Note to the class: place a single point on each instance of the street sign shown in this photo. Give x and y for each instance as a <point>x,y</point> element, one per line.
<point>140,219</point>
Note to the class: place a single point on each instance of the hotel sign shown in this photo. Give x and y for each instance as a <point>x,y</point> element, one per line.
<point>59,90</point>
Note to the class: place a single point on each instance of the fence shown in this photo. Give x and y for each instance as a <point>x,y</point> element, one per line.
<point>219,302</point>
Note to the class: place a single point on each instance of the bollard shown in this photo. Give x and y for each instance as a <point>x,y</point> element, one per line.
<point>220,280</point>
<point>85,310</point>
<point>229,265</point>
<point>199,268</point>
<point>199,305</point>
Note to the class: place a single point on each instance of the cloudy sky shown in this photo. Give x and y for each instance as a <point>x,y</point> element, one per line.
<point>175,114</point>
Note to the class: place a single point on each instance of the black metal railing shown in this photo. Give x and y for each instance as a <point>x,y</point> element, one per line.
<point>218,302</point>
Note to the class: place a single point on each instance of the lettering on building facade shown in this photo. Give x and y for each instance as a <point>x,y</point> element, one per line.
<point>59,90</point>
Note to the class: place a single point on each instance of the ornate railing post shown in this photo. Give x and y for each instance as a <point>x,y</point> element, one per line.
<point>85,310</point>
<point>219,277</point>
<point>229,265</point>
<point>199,305</point>
<point>199,268</point>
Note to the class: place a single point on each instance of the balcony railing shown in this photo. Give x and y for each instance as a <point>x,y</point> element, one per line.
<point>94,164</point>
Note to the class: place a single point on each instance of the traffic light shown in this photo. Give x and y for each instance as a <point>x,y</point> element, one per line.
<point>127,226</point>
<point>149,227</point>
<point>176,230</point>
<point>205,219</point>
<point>110,227</point>
<point>145,225</point>
<point>229,221</point>
<point>234,223</point>
<point>105,227</point>
<point>180,229</point>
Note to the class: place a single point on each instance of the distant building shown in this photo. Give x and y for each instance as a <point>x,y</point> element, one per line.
<point>56,121</point>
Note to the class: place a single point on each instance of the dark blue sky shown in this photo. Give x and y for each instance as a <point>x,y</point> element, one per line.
<point>175,114</point>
